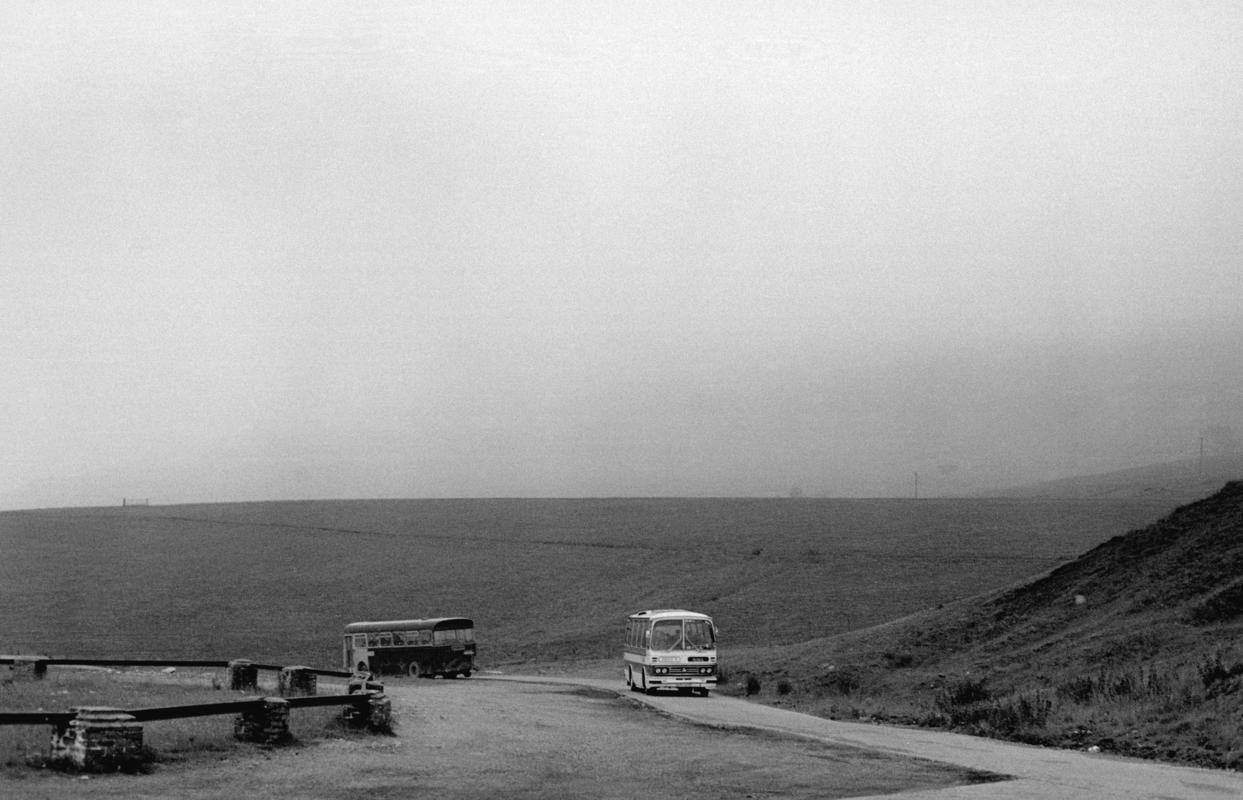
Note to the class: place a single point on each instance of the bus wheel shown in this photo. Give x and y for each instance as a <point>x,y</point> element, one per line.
<point>414,670</point>
<point>465,673</point>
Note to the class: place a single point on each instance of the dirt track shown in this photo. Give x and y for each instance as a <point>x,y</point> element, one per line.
<point>588,738</point>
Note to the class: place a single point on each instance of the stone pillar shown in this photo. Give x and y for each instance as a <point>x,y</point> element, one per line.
<point>376,714</point>
<point>379,713</point>
<point>297,681</point>
<point>268,724</point>
<point>243,675</point>
<point>99,739</point>
<point>29,668</point>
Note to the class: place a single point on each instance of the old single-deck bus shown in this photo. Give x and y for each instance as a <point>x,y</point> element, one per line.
<point>417,647</point>
<point>670,649</point>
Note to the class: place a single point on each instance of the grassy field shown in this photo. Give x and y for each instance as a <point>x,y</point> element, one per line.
<point>167,741</point>
<point>545,580</point>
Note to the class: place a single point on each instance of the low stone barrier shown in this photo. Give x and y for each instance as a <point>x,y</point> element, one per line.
<point>98,739</point>
<point>243,675</point>
<point>105,738</point>
<point>376,715</point>
<point>268,724</point>
<point>297,681</point>
<point>28,668</point>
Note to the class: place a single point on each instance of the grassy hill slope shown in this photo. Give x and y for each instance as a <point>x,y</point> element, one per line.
<point>1132,648</point>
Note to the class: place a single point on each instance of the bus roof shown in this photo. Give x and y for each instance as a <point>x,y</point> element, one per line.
<point>669,613</point>
<point>409,624</point>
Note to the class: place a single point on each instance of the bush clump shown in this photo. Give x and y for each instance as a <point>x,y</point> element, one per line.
<point>843,680</point>
<point>968,703</point>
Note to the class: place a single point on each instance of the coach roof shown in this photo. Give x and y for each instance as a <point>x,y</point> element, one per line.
<point>667,613</point>
<point>409,624</point>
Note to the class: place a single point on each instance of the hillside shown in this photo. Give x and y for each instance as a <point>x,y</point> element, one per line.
<point>1178,481</point>
<point>1132,648</point>
<point>543,579</point>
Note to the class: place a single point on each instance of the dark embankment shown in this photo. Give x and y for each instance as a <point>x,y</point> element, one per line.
<point>1132,648</point>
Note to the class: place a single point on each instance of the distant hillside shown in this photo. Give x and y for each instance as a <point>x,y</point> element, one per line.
<point>1179,481</point>
<point>1134,647</point>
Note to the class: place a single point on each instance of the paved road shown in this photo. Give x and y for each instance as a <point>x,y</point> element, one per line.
<point>1039,773</point>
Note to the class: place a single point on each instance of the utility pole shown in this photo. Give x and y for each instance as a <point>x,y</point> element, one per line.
<point>916,485</point>
<point>1201,456</point>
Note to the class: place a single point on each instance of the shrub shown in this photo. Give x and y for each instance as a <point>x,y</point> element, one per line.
<point>1217,678</point>
<point>963,702</point>
<point>968,703</point>
<point>845,680</point>
<point>1109,685</point>
<point>753,685</point>
<point>900,660</point>
<point>1029,711</point>
<point>1078,689</point>
<point>962,692</point>
<point>1212,670</point>
<point>784,687</point>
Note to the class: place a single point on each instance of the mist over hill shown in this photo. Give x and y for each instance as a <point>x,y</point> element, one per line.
<point>1179,481</point>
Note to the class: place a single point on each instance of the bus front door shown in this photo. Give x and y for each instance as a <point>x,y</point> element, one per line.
<point>359,656</point>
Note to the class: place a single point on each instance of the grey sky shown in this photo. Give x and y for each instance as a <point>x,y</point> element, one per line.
<point>292,250</point>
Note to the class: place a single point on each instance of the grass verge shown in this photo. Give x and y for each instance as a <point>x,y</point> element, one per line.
<point>166,742</point>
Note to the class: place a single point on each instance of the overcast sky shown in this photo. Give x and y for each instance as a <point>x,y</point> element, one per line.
<point>295,250</point>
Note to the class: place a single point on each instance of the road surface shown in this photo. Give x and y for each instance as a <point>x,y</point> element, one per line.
<point>1038,773</point>
<point>571,738</point>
